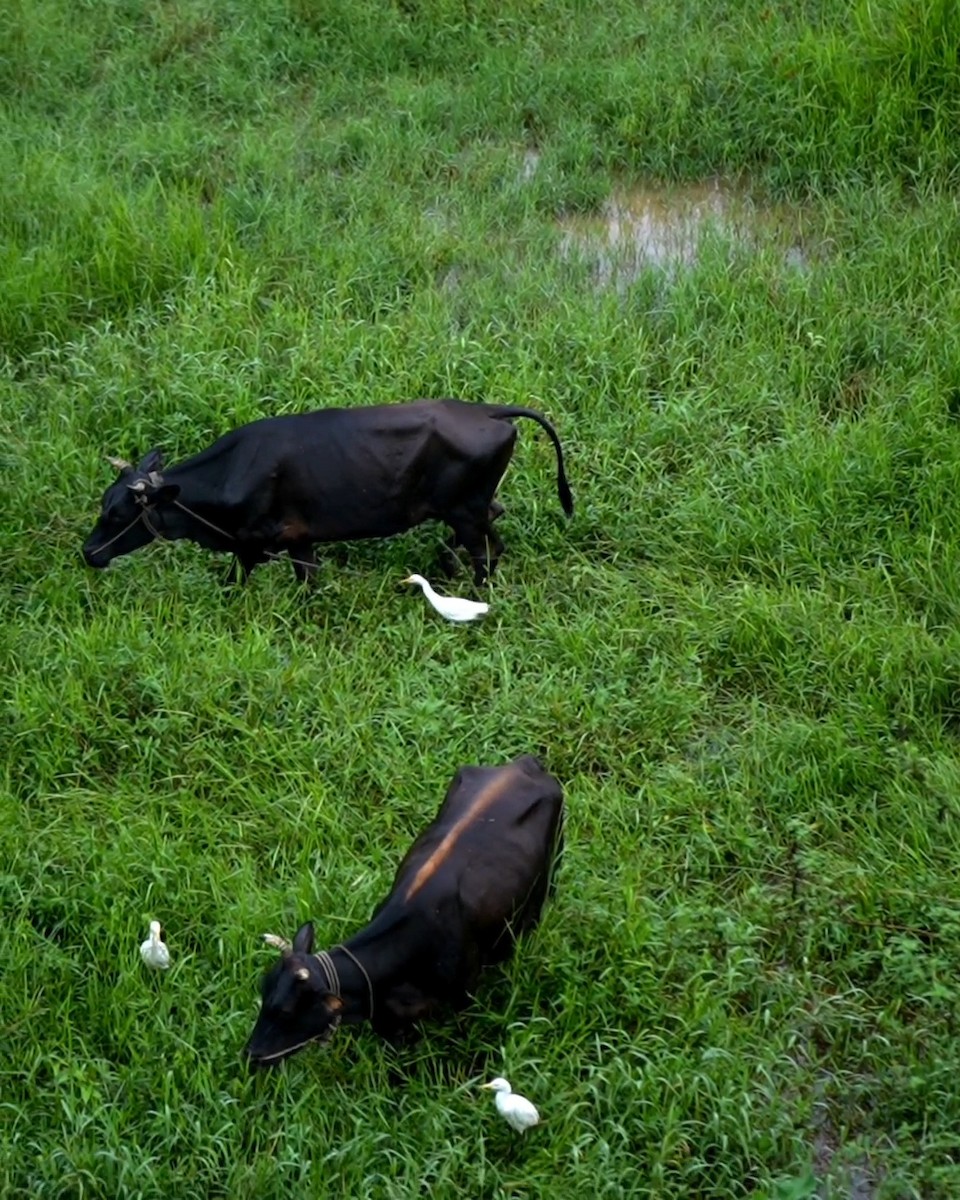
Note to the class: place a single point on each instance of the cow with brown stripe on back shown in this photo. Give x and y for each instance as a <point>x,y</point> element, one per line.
<point>474,880</point>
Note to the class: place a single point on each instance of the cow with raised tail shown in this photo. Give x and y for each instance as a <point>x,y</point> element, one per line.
<point>474,880</point>
<point>287,483</point>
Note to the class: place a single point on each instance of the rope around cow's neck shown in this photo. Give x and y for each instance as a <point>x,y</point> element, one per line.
<point>328,966</point>
<point>329,969</point>
<point>363,971</point>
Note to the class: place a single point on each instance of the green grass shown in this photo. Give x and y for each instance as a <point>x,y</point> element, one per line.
<point>741,657</point>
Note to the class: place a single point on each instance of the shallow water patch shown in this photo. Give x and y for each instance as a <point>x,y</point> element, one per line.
<point>665,227</point>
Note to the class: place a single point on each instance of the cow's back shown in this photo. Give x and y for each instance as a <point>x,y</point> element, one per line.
<point>491,841</point>
<point>371,471</point>
<point>459,423</point>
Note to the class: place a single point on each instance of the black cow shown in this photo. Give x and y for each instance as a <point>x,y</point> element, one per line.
<point>473,881</point>
<point>286,483</point>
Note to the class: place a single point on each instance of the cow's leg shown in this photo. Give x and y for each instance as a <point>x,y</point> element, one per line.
<point>447,561</point>
<point>484,567</point>
<point>303,559</point>
<point>492,546</point>
<point>400,1036</point>
<point>482,508</point>
<point>243,564</point>
<point>483,546</point>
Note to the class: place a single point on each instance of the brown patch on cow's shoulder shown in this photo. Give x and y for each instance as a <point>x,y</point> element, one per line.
<point>483,800</point>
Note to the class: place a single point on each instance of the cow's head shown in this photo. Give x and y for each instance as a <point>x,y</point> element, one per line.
<point>125,515</point>
<point>297,1005</point>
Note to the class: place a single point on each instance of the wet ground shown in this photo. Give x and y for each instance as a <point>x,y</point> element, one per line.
<point>666,228</point>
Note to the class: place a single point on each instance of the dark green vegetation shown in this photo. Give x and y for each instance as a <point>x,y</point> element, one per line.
<point>742,656</point>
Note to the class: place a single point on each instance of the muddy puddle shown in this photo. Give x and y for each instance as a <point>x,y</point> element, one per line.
<point>665,228</point>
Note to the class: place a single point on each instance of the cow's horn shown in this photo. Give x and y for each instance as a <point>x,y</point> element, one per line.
<point>139,487</point>
<point>278,943</point>
<point>119,464</point>
<point>302,973</point>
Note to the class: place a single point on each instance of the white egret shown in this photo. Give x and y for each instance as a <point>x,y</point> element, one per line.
<point>451,607</point>
<point>516,1110</point>
<point>153,951</point>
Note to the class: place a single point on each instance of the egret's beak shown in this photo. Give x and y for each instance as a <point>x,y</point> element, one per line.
<point>486,1085</point>
<point>407,580</point>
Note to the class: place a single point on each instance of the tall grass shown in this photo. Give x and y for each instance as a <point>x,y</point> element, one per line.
<point>741,656</point>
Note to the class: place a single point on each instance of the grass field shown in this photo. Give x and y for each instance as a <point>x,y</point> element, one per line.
<point>741,656</point>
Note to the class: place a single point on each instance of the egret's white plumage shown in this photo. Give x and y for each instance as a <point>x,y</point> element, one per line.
<point>153,951</point>
<point>451,607</point>
<point>516,1110</point>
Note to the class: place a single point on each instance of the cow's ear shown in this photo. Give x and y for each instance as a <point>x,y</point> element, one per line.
<point>303,939</point>
<point>151,461</point>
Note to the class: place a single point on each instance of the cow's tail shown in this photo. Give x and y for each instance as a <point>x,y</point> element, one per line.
<point>507,412</point>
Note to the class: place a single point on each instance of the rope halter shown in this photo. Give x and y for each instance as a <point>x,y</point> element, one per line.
<point>329,969</point>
